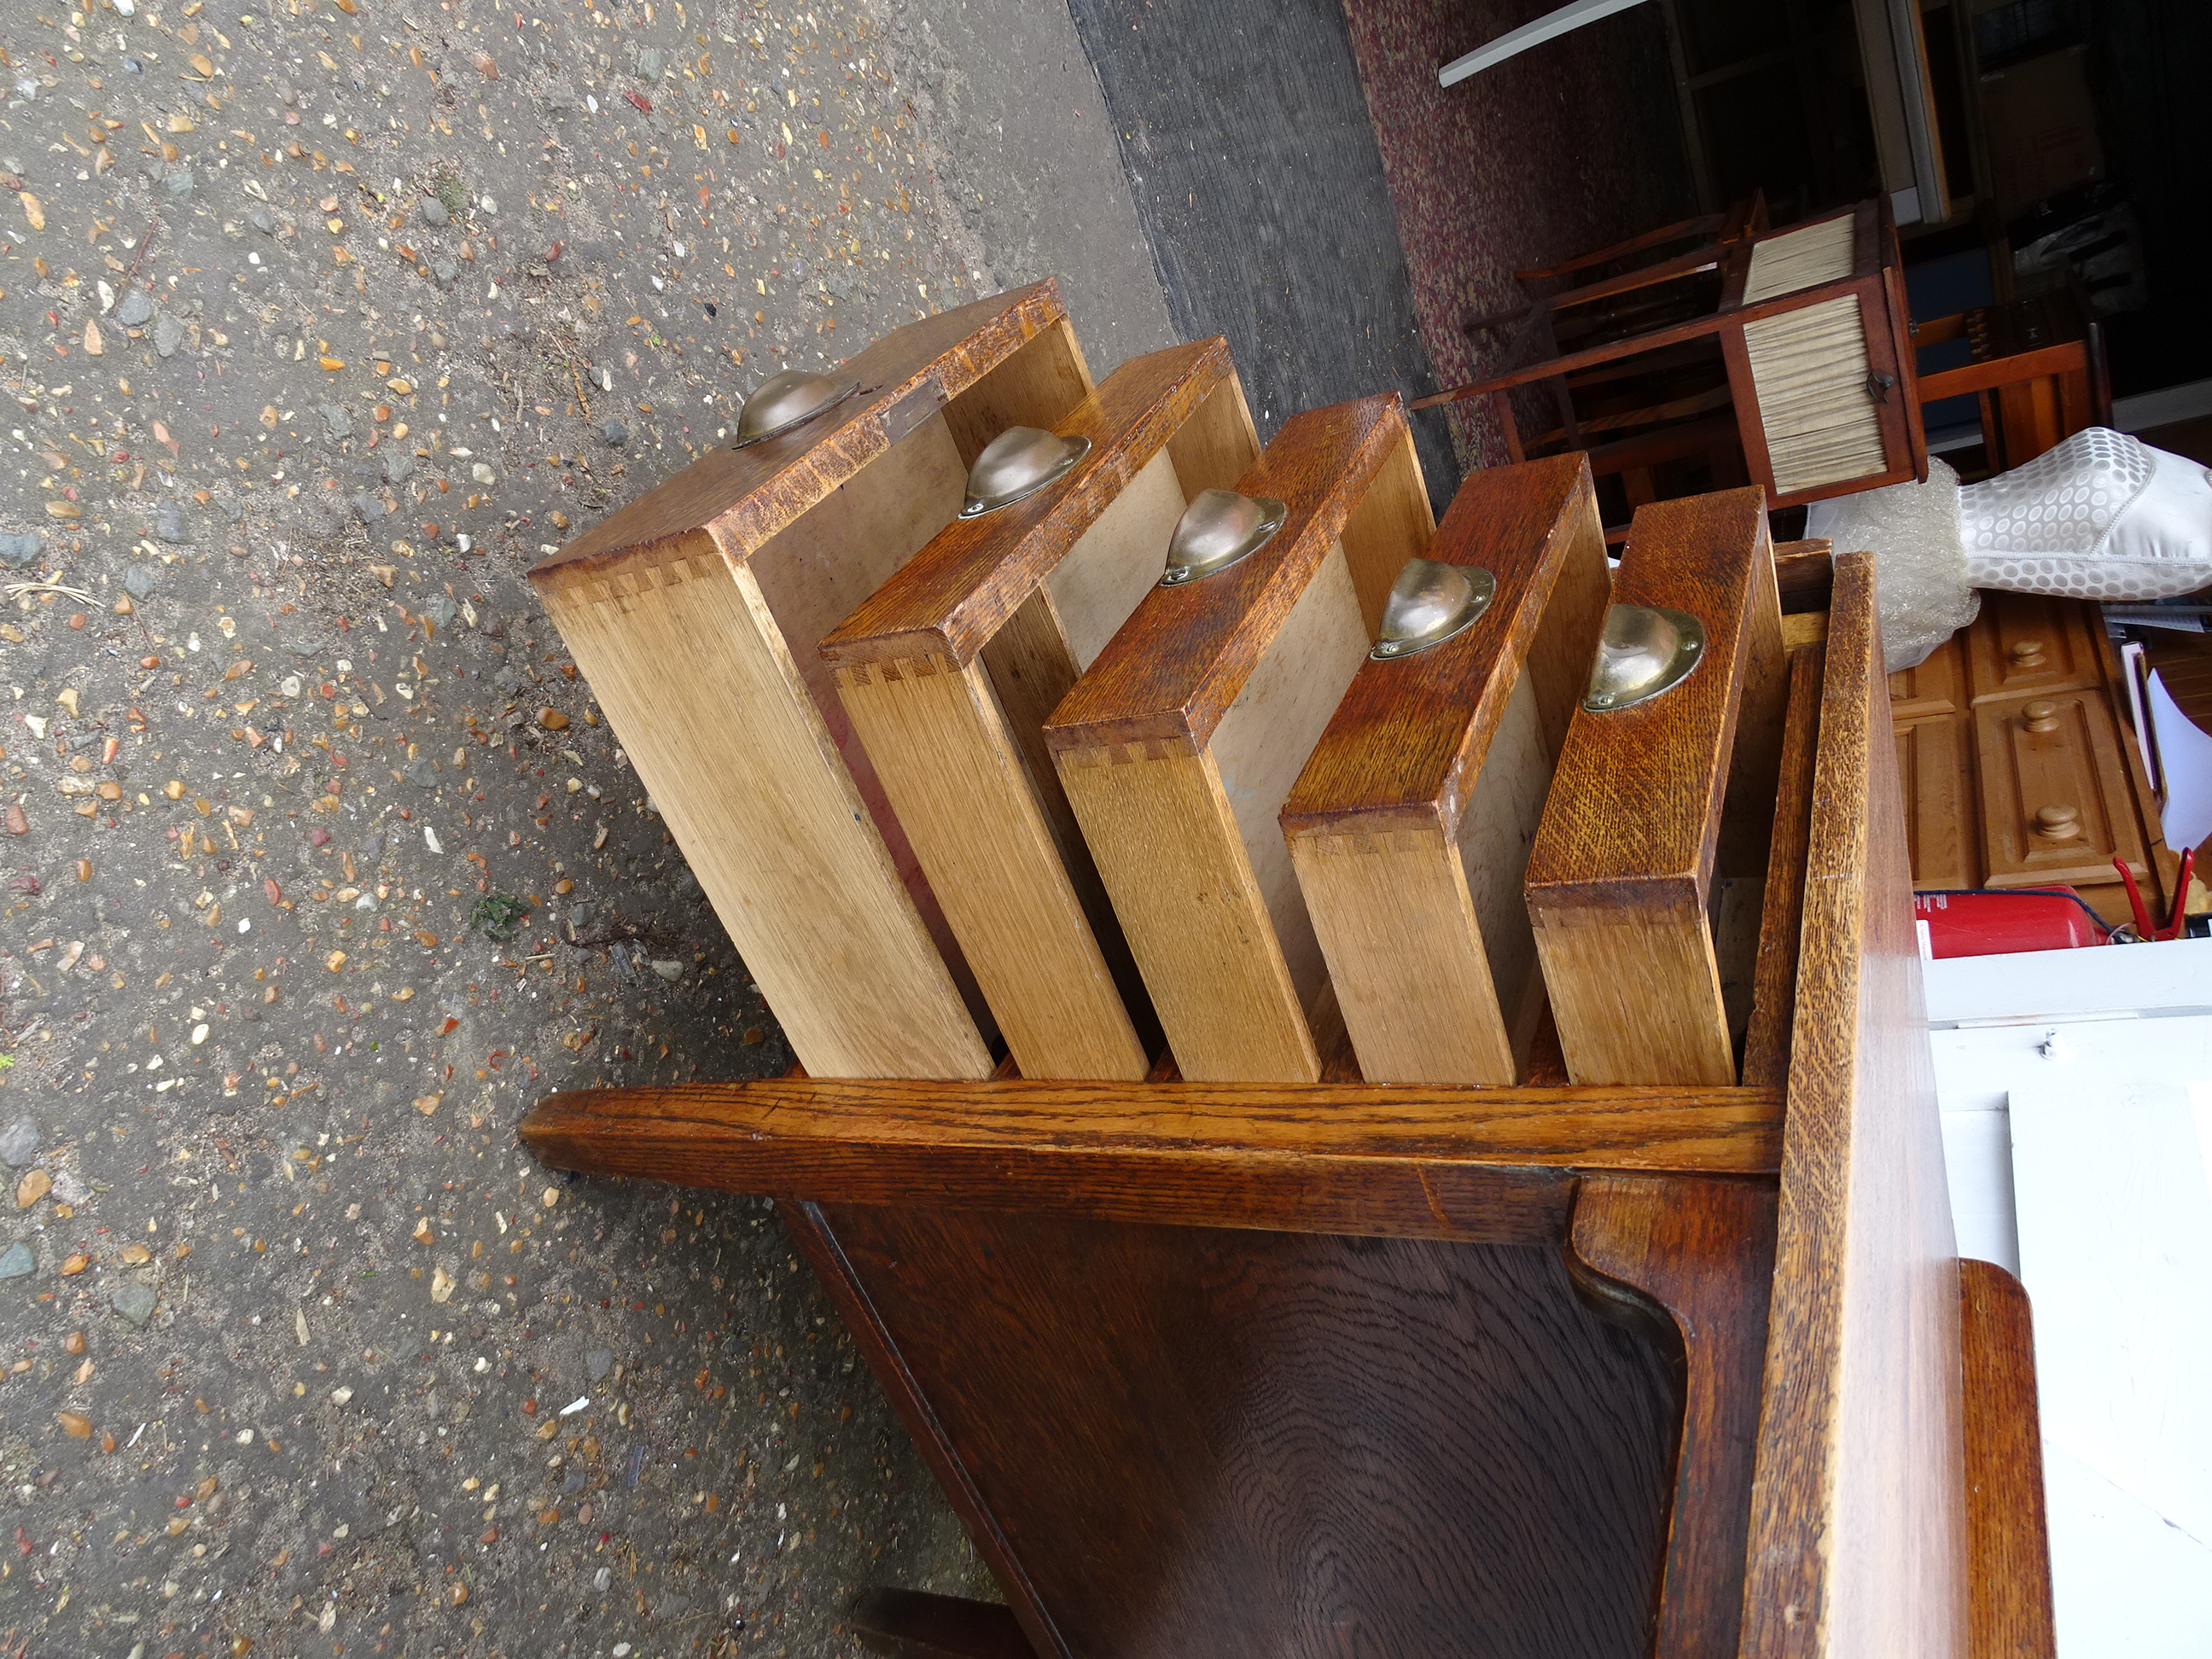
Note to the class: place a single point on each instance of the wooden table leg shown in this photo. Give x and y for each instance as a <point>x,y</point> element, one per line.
<point>2008,1547</point>
<point>905,1624</point>
<point>1703,1251</point>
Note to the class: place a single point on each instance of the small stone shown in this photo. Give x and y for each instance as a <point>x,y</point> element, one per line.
<point>179,182</point>
<point>335,417</point>
<point>669,970</point>
<point>32,1188</point>
<point>135,309</point>
<point>75,1424</point>
<point>21,548</point>
<point>552,719</point>
<point>648,64</point>
<point>434,211</point>
<point>483,474</point>
<point>599,1362</point>
<point>262,220</point>
<point>420,773</point>
<point>134,1303</point>
<point>169,523</point>
<point>139,581</point>
<point>18,1143</point>
<point>168,335</point>
<point>18,1260</point>
<point>398,465</point>
<point>438,610</point>
<point>340,1394</point>
<point>616,434</point>
<point>444,272</point>
<point>367,507</point>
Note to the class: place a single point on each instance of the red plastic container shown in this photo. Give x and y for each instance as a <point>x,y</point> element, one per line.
<point>1986,924</point>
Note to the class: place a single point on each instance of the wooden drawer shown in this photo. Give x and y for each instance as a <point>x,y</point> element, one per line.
<point>2057,805</point>
<point>1938,686</point>
<point>1936,770</point>
<point>2024,643</point>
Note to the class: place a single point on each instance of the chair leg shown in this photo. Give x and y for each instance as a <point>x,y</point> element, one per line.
<point>1501,404</point>
<point>903,1624</point>
<point>1702,1250</point>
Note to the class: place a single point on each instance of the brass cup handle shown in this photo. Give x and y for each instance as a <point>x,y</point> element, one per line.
<point>2027,653</point>
<point>2040,717</point>
<point>2058,823</point>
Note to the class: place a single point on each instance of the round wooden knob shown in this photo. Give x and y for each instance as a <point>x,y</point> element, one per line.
<point>2027,653</point>
<point>2041,716</point>
<point>2060,823</point>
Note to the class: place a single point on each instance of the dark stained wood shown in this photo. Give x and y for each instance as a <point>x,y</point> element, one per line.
<point>1249,1445</point>
<point>819,1244</point>
<point>2009,1592</point>
<point>1782,917</point>
<point>1657,339</point>
<point>1179,662</point>
<point>1857,1540</point>
<point>1703,1252</point>
<point>744,496</point>
<point>1408,741</point>
<point>1412,1162</point>
<point>1803,573</point>
<point>906,1624</point>
<point>955,595</point>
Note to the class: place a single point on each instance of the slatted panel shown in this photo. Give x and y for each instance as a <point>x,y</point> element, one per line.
<point>1800,258</point>
<point>1809,369</point>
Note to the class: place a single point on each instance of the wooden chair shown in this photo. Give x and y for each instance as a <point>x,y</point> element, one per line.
<point>2038,368</point>
<point>1799,379</point>
<point>1710,234</point>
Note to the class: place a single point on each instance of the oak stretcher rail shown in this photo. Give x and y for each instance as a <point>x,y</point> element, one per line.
<point>1390,1161</point>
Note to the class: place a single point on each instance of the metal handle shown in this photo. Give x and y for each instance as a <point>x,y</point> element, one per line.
<point>1644,651</point>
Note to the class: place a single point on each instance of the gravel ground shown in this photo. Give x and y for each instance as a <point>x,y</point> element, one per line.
<point>318,324</point>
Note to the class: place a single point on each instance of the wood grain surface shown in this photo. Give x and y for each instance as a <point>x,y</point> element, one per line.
<point>1858,1542</point>
<point>686,657</point>
<point>1494,1164</point>
<point>1174,861</point>
<point>1032,590</point>
<point>1411,821</point>
<point>1179,805</point>
<point>1254,1445</point>
<point>1618,879</point>
<point>1703,1251</point>
<point>746,495</point>
<point>956,593</point>
<point>2009,1592</point>
<point>1181,659</point>
<point>985,838</point>
<point>1781,923</point>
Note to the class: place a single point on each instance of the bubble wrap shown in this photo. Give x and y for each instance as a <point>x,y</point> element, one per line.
<point>1920,563</point>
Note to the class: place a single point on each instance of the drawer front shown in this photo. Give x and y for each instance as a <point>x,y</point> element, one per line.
<point>1938,686</point>
<point>1935,765</point>
<point>2056,802</point>
<point>2024,643</point>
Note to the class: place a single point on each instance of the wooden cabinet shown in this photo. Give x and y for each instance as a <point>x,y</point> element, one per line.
<point>2024,643</point>
<point>1937,686</point>
<point>1936,767</point>
<point>2018,765</point>
<point>2056,803</point>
